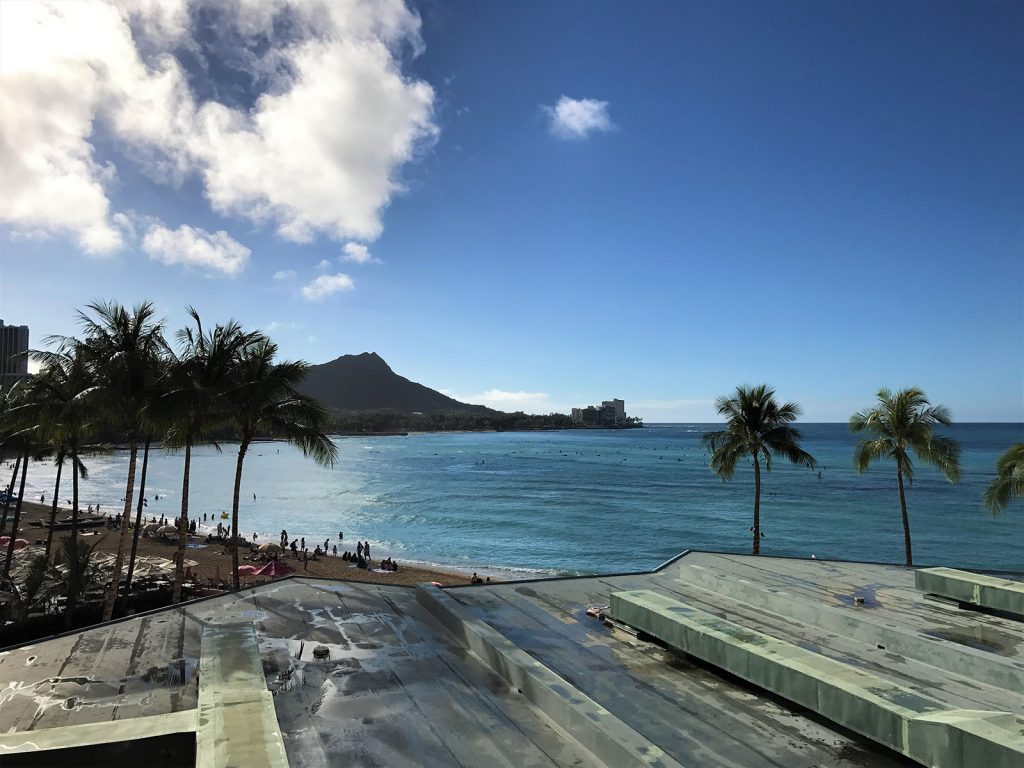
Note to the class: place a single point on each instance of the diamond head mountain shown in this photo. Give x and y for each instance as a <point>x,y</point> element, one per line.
<point>366,383</point>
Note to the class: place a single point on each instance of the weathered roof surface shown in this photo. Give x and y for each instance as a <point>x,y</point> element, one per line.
<point>401,687</point>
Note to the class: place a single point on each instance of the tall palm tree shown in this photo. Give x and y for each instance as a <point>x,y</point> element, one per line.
<point>28,422</point>
<point>9,444</point>
<point>120,344</point>
<point>203,373</point>
<point>64,389</point>
<point>264,399</point>
<point>756,426</point>
<point>156,423</point>
<point>1009,480</point>
<point>904,422</point>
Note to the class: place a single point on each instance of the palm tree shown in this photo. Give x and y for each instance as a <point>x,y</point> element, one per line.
<point>903,422</point>
<point>264,399</point>
<point>9,399</point>
<point>80,573</point>
<point>157,422</point>
<point>64,388</point>
<point>1009,480</point>
<point>120,345</point>
<point>203,373</point>
<point>756,426</point>
<point>25,431</point>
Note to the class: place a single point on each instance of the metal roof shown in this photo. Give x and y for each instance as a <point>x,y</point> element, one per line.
<point>507,674</point>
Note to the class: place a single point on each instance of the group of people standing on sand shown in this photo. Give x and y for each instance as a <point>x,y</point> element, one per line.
<point>361,557</point>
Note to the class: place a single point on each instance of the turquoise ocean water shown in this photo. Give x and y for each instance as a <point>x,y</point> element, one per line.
<point>583,501</point>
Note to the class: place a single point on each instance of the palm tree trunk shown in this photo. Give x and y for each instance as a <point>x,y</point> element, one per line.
<point>74,492</point>
<point>122,539</point>
<point>53,507</point>
<point>757,506</point>
<point>242,448</point>
<point>17,518</point>
<point>906,519</point>
<point>179,556</point>
<point>10,493</point>
<point>138,517</point>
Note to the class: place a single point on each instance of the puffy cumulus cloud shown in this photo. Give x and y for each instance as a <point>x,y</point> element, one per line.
<point>50,177</point>
<point>284,274</point>
<point>327,285</point>
<point>356,252</point>
<point>578,118</point>
<point>315,148</point>
<point>213,252</point>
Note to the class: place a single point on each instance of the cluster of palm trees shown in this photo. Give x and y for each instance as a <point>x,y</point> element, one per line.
<point>122,381</point>
<point>900,424</point>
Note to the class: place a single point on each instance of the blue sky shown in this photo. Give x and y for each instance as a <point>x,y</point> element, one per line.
<point>540,205</point>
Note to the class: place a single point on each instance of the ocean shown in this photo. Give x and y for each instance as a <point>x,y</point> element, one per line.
<point>582,501</point>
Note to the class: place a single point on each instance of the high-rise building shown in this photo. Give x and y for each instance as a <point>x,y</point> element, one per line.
<point>13,343</point>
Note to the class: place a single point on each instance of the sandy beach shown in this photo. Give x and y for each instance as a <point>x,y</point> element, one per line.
<point>214,560</point>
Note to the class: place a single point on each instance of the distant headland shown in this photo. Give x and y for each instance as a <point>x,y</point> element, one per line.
<point>365,396</point>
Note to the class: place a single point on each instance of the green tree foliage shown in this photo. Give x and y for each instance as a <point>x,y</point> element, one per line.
<point>903,423</point>
<point>202,374</point>
<point>263,398</point>
<point>758,427</point>
<point>1009,480</point>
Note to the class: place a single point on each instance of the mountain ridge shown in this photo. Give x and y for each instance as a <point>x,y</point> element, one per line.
<point>365,382</point>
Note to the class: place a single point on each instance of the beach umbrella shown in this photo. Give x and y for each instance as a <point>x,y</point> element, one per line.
<point>247,569</point>
<point>151,527</point>
<point>167,529</point>
<point>274,568</point>
<point>270,547</point>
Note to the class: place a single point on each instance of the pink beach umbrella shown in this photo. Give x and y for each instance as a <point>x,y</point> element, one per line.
<point>248,570</point>
<point>274,568</point>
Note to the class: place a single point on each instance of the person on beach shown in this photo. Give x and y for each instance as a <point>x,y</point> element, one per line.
<point>359,549</point>
<point>335,550</point>
<point>341,535</point>
<point>366,549</point>
<point>302,543</point>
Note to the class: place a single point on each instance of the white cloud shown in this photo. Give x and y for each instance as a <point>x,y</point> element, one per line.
<point>356,252</point>
<point>323,265</point>
<point>50,178</point>
<point>284,274</point>
<point>215,252</point>
<point>318,153</point>
<point>278,325</point>
<point>327,285</point>
<point>505,400</point>
<point>578,118</point>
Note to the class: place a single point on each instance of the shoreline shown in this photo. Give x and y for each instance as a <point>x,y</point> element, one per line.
<point>410,560</point>
<point>213,561</point>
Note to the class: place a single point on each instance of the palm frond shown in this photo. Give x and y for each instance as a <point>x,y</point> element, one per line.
<point>1009,480</point>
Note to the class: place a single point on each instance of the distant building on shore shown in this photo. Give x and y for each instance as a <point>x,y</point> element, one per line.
<point>611,413</point>
<point>13,345</point>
